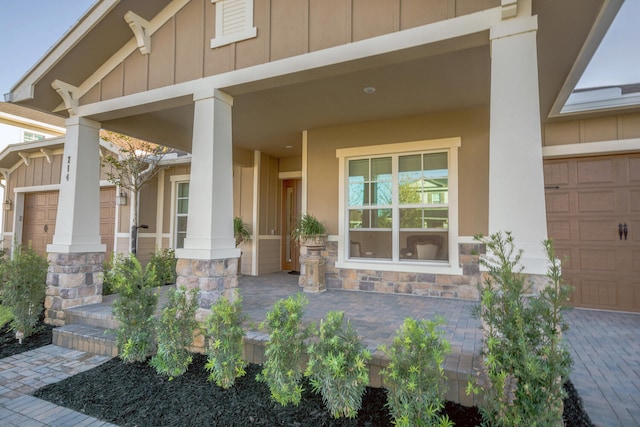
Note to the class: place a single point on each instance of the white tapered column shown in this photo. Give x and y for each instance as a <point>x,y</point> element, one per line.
<point>516,182</point>
<point>210,224</point>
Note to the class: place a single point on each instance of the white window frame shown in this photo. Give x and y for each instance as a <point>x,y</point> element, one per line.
<point>451,146</point>
<point>246,31</point>
<point>175,180</point>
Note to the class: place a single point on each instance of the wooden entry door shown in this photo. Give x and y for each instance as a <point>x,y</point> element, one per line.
<point>291,208</point>
<point>590,202</point>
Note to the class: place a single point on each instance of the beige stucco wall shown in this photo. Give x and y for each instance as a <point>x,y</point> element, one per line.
<point>607,128</point>
<point>471,125</point>
<point>290,164</point>
<point>180,49</point>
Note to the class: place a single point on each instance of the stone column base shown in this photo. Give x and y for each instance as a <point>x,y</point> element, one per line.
<point>213,278</point>
<point>73,279</point>
<point>314,270</point>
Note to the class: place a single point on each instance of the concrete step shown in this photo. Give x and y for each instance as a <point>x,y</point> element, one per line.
<point>88,338</point>
<point>99,315</point>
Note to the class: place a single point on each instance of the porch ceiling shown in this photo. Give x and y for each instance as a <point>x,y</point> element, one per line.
<point>271,115</point>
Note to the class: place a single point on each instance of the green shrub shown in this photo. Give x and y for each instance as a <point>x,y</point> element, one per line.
<point>526,361</point>
<point>107,281</point>
<point>134,308</point>
<point>224,334</point>
<point>284,352</point>
<point>414,378</point>
<point>337,367</point>
<point>23,291</point>
<point>164,262</point>
<point>174,333</point>
<point>5,315</point>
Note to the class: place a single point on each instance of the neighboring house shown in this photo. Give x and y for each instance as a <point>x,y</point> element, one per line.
<point>19,124</point>
<point>407,126</point>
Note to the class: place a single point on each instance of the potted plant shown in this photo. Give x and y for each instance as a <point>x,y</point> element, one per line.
<point>240,231</point>
<point>242,234</point>
<point>310,231</point>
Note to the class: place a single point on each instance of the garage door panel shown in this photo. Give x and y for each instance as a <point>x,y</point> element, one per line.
<point>556,173</point>
<point>597,201</point>
<point>634,169</point>
<point>564,255</point>
<point>598,260</point>
<point>560,230</point>
<point>634,201</point>
<point>597,231</point>
<point>596,171</point>
<point>599,293</point>
<point>558,202</point>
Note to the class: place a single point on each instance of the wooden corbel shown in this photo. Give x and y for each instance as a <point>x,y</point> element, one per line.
<point>509,8</point>
<point>69,95</point>
<point>6,173</point>
<point>24,157</point>
<point>140,28</point>
<point>48,154</point>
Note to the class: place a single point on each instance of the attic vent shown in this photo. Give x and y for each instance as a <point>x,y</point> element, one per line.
<point>234,22</point>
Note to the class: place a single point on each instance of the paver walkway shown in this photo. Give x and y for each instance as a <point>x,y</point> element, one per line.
<point>24,373</point>
<point>605,347</point>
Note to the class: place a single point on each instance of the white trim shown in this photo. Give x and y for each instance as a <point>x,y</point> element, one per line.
<point>255,215</point>
<point>160,209</point>
<point>369,48</point>
<point>30,124</point>
<point>591,148</point>
<point>176,178</point>
<point>451,145</point>
<point>269,237</point>
<point>290,175</point>
<point>37,188</point>
<point>305,178</point>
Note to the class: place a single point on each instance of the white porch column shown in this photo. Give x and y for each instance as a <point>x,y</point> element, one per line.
<point>75,276</point>
<point>78,218</point>
<point>210,225</point>
<point>209,260</point>
<point>516,182</point>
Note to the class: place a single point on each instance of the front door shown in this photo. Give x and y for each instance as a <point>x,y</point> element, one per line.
<point>291,208</point>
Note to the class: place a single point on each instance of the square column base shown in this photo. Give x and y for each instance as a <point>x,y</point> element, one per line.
<point>73,279</point>
<point>314,269</point>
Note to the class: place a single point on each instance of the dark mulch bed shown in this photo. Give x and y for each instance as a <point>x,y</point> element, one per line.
<point>135,395</point>
<point>9,345</point>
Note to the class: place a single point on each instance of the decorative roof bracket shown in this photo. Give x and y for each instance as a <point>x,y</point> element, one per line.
<point>48,154</point>
<point>24,157</point>
<point>140,28</point>
<point>6,173</point>
<point>509,8</point>
<point>69,95</point>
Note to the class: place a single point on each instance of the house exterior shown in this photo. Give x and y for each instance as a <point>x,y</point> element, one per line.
<point>406,126</point>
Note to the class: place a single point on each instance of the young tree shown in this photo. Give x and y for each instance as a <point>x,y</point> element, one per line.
<point>134,167</point>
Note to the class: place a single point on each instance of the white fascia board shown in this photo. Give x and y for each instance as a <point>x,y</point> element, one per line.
<point>14,120</point>
<point>406,39</point>
<point>603,22</point>
<point>23,89</point>
<point>592,148</point>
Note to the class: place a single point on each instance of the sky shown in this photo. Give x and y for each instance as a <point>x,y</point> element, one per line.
<point>31,27</point>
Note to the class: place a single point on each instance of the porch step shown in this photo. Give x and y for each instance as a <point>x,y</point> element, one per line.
<point>90,328</point>
<point>91,339</point>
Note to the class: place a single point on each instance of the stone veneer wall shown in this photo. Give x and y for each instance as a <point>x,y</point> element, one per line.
<point>213,279</point>
<point>433,285</point>
<point>72,279</point>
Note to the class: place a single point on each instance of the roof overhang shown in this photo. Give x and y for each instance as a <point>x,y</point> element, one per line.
<point>440,75</point>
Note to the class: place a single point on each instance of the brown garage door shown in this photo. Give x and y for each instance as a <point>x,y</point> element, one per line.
<point>40,210</point>
<point>589,201</point>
